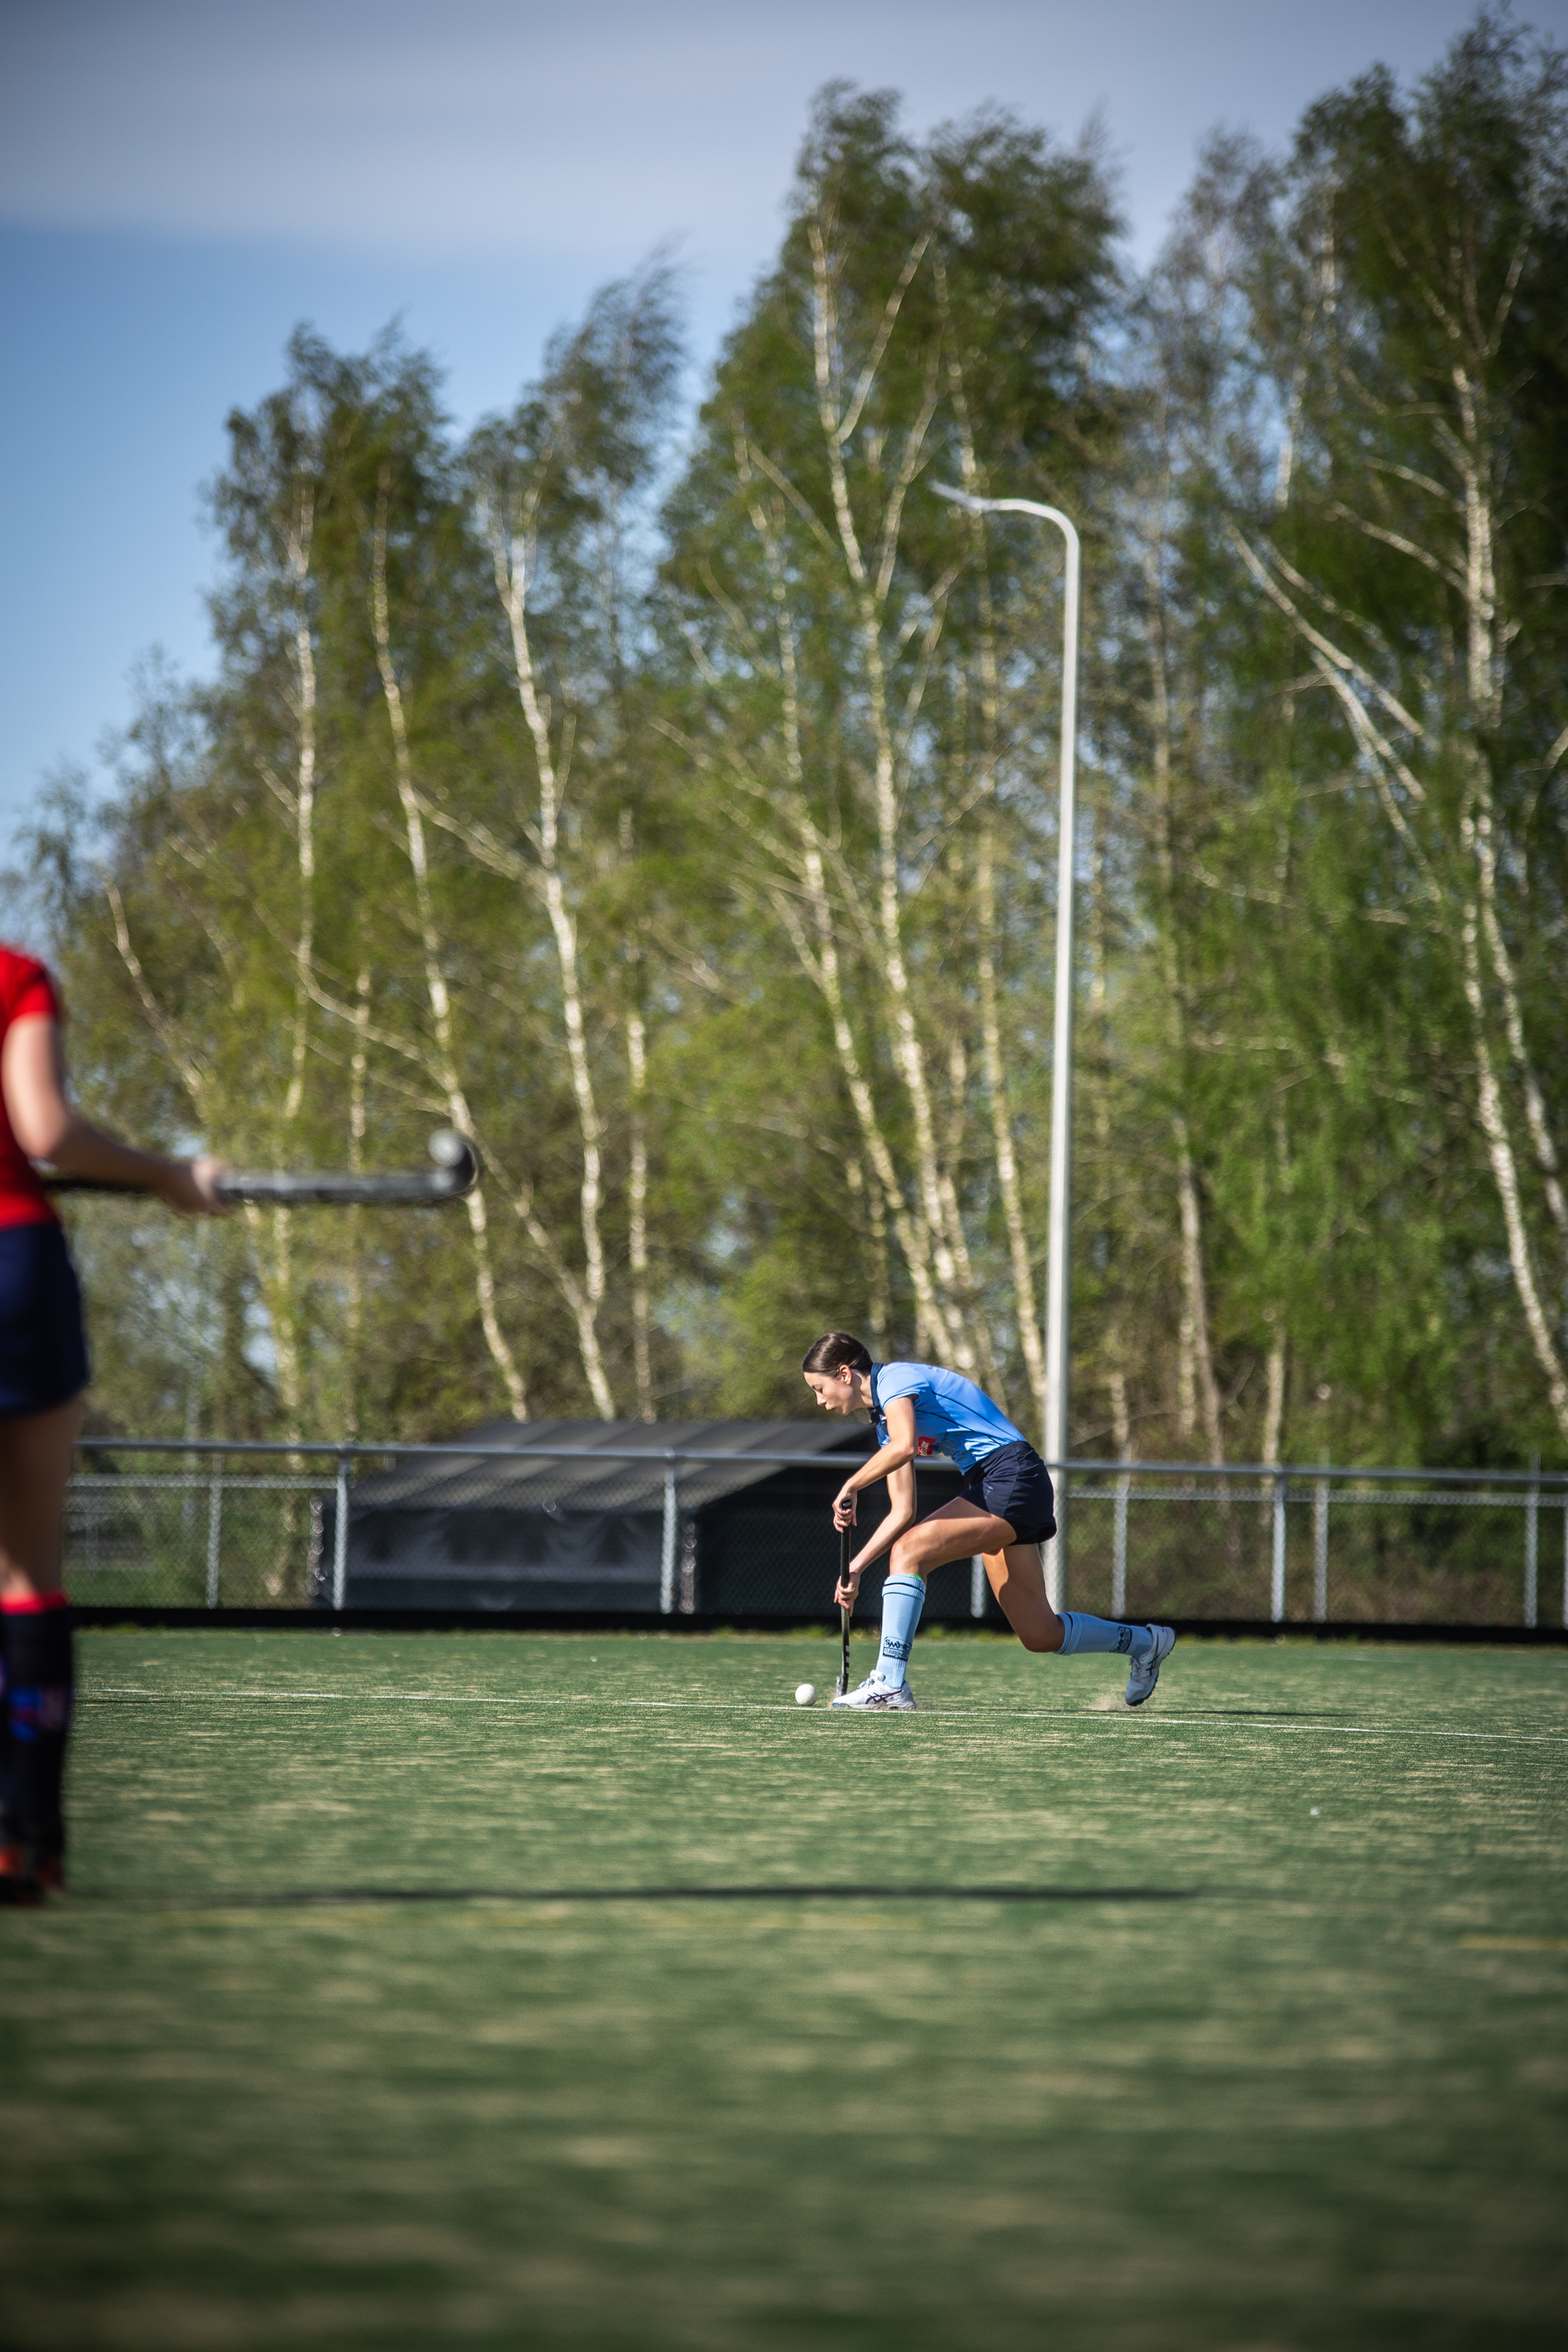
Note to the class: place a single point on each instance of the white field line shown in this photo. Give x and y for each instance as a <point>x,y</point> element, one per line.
<point>999,1716</point>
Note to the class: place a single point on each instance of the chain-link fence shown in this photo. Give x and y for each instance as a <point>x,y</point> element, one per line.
<point>637,1532</point>
<point>200,1529</point>
<point>1319,1545</point>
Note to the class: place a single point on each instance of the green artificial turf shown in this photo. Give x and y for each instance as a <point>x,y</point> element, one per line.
<point>1321,2101</point>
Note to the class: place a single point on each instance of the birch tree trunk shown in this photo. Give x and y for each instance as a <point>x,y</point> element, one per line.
<point>637,1057</point>
<point>445,1065</point>
<point>879,1287</point>
<point>510,553</point>
<point>1274,1315</point>
<point>1494,1126</point>
<point>1115,1345</point>
<point>1274,1408</point>
<point>1198,1389</point>
<point>354,1319</point>
<point>282,1300</point>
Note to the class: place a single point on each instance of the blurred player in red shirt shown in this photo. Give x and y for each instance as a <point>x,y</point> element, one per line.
<point>43,1372</point>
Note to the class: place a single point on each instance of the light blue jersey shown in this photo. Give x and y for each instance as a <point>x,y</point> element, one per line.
<point>950,1411</point>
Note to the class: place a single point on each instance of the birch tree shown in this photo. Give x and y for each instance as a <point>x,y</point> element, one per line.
<point>840,626</point>
<point>1170,791</point>
<point>559,490</point>
<point>375,482</point>
<point>1412,311</point>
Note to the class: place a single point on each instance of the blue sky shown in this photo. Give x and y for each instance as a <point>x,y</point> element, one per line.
<point>182,180</point>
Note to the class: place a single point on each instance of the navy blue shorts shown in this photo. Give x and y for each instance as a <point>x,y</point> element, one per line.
<point>43,1348</point>
<point>1016,1484</point>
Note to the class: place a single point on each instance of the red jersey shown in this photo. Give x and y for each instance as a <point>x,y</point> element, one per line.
<point>24,988</point>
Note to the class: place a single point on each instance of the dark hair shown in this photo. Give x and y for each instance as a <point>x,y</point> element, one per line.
<point>834,1350</point>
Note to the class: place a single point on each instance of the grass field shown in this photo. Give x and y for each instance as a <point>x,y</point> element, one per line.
<point>1320,2098</point>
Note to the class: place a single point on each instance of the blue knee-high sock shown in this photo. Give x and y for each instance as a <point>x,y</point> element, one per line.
<point>1084,1633</point>
<point>903,1597</point>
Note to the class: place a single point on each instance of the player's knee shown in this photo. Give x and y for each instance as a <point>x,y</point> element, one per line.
<point>903,1560</point>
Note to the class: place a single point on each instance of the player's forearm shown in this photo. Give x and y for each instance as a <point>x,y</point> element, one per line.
<point>885,1537</point>
<point>880,1466</point>
<point>32,1075</point>
<point>73,1146</point>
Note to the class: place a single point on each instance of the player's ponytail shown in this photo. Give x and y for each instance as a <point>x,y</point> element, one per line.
<point>835,1349</point>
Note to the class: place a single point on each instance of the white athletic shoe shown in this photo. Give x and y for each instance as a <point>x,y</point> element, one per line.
<point>883,1698</point>
<point>1145,1671</point>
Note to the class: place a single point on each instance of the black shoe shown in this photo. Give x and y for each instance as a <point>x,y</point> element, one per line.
<point>20,1887</point>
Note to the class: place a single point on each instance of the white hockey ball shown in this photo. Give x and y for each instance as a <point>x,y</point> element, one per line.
<point>806,1694</point>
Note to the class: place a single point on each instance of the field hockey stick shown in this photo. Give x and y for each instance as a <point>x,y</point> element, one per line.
<point>846,1545</point>
<point>456,1172</point>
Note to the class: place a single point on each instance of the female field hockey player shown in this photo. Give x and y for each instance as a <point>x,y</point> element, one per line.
<point>1003,1510</point>
<point>43,1372</point>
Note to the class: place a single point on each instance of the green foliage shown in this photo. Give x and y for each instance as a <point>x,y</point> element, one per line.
<point>688,832</point>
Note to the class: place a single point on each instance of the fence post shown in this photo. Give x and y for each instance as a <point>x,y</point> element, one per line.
<point>1320,1553</point>
<point>1566,1558</point>
<point>667,1556</point>
<point>1531,1545</point>
<point>1277,1591</point>
<point>341,1535</point>
<point>977,1585</point>
<point>1119,1548</point>
<point>215,1529</point>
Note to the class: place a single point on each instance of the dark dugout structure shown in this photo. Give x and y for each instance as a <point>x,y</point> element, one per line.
<point>553,1518</point>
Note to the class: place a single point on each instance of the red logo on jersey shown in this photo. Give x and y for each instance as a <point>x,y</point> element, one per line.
<point>924,1445</point>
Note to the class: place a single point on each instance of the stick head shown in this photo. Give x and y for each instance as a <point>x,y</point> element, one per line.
<point>453,1154</point>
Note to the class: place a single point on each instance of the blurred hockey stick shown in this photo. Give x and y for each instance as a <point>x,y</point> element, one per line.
<point>455,1173</point>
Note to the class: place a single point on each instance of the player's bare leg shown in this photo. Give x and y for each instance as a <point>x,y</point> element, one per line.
<point>35,1464</point>
<point>961,1529</point>
<point>957,1531</point>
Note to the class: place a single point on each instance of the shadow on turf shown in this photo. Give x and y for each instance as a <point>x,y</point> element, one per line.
<point>328,1898</point>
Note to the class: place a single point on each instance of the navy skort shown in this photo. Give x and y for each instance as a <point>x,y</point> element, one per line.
<point>1016,1484</point>
<point>43,1347</point>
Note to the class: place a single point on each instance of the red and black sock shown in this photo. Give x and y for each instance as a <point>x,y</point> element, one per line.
<point>40,1691</point>
<point>10,1828</point>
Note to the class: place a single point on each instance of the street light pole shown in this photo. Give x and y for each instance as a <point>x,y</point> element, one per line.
<point>1059,1257</point>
